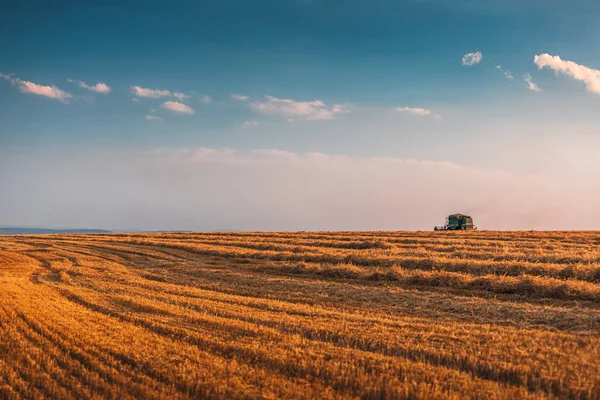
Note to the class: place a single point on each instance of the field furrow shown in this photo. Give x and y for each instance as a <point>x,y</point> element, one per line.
<point>372,315</point>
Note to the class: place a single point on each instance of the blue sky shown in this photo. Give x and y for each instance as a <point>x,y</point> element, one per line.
<point>356,82</point>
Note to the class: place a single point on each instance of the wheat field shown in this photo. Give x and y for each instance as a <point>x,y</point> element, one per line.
<point>372,315</point>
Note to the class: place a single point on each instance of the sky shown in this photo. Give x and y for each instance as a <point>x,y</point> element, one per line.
<point>300,114</point>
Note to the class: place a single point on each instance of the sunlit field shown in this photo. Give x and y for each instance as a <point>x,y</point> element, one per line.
<point>374,315</point>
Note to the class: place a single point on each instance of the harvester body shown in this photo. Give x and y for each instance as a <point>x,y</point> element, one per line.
<point>457,222</point>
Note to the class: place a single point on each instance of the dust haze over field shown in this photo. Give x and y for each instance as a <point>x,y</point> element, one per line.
<point>301,315</point>
<point>208,189</point>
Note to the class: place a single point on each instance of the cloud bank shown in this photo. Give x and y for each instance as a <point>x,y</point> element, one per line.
<point>270,189</point>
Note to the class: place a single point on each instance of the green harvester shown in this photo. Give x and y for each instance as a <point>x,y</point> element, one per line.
<point>457,222</point>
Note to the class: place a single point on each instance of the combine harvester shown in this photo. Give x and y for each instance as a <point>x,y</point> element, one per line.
<point>457,222</point>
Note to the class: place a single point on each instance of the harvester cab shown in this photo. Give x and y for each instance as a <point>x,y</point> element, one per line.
<point>457,222</point>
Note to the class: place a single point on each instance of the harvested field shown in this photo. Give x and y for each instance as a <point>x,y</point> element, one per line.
<point>374,315</point>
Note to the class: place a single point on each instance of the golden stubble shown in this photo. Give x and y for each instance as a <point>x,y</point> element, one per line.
<point>301,315</point>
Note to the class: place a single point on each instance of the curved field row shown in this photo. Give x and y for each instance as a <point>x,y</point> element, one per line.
<point>307,315</point>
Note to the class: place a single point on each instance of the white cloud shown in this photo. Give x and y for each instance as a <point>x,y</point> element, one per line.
<point>309,110</point>
<point>590,76</point>
<point>418,111</point>
<point>339,109</point>
<point>52,92</point>
<point>206,99</point>
<point>156,93</point>
<point>153,117</point>
<point>177,107</point>
<point>135,100</point>
<point>239,97</point>
<point>247,124</point>
<point>41,90</point>
<point>9,78</point>
<point>530,84</point>
<point>99,87</point>
<point>470,59</point>
<point>152,93</point>
<point>506,72</point>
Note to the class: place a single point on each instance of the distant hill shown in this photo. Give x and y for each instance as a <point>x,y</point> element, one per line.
<point>20,230</point>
